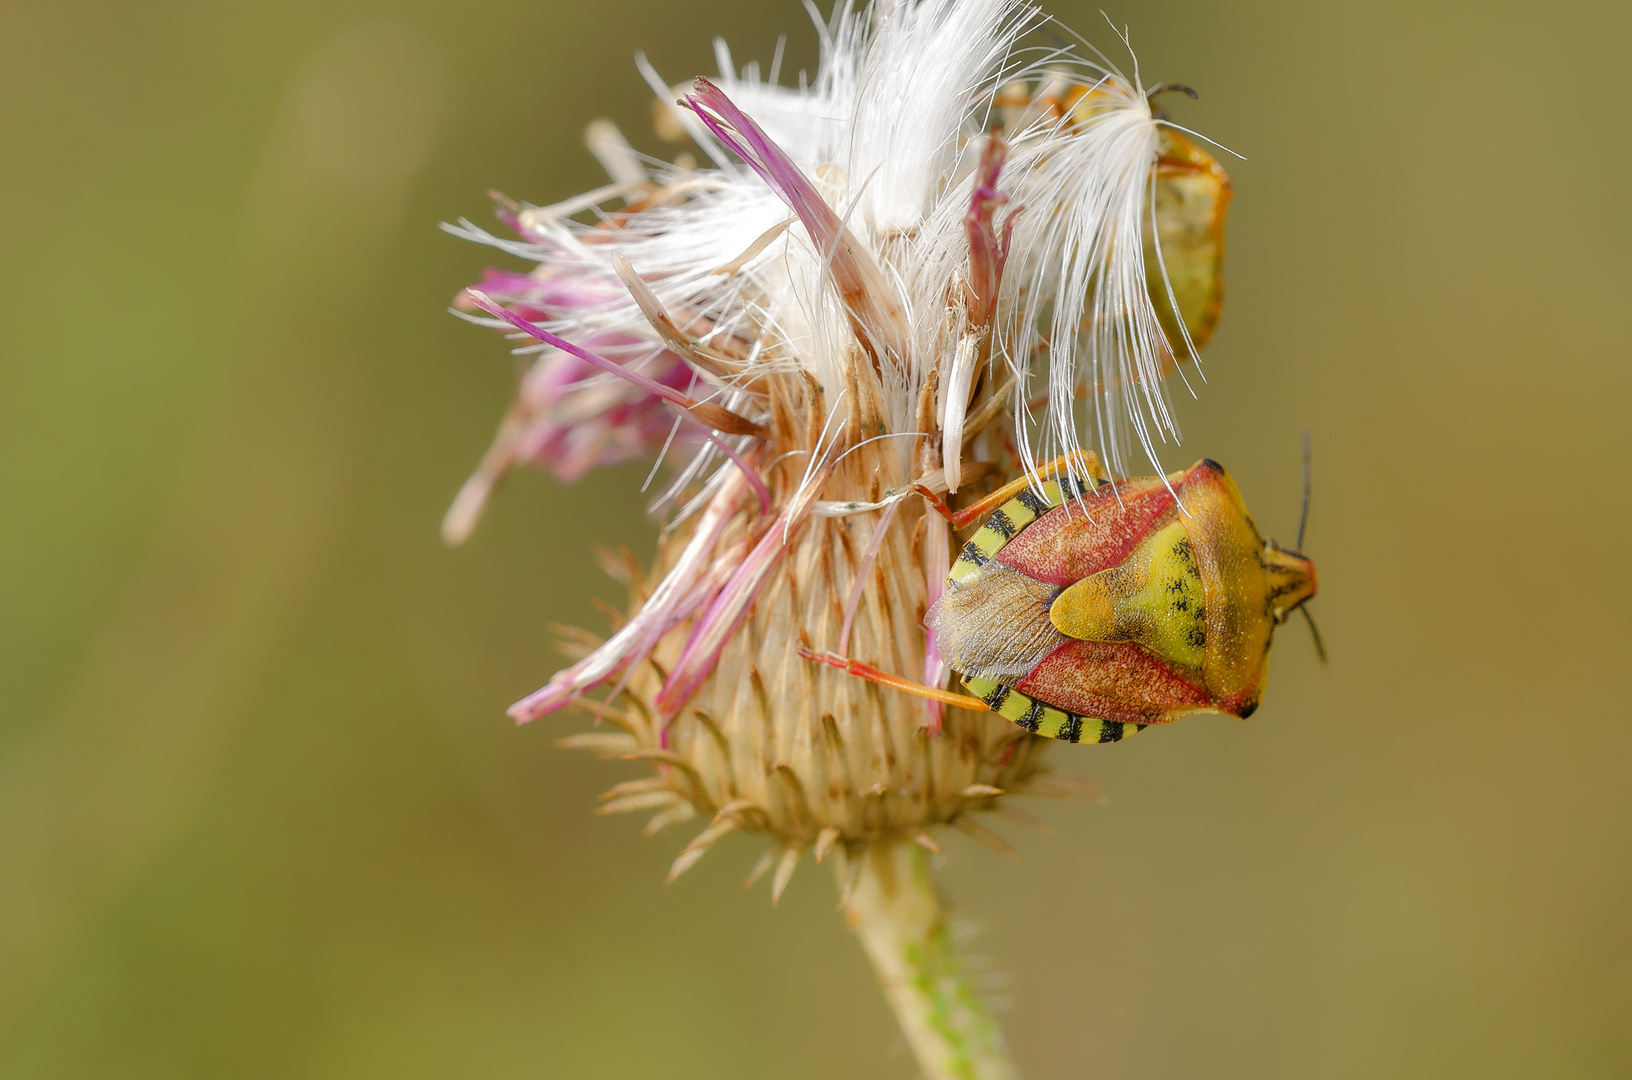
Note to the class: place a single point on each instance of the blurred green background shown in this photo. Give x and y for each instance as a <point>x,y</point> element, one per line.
<point>261,814</point>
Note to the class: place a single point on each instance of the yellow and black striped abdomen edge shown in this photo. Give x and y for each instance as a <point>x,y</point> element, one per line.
<point>1041,719</point>
<point>1007,521</point>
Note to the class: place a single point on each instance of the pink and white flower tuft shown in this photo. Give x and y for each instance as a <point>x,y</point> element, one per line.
<point>930,264</point>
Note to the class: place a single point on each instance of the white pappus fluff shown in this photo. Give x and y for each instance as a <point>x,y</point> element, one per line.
<point>889,133</point>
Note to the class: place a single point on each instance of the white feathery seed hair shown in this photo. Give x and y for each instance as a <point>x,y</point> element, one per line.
<point>889,133</point>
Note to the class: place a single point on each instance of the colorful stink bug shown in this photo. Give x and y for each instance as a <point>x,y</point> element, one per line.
<point>1184,234</point>
<point>1091,610</point>
<point>1190,196</point>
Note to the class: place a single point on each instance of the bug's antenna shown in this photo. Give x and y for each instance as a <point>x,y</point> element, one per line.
<point>1303,518</point>
<point>1320,646</point>
<point>1173,87</point>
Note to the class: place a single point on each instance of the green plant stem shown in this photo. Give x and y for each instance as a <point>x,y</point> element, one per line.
<point>892,907</point>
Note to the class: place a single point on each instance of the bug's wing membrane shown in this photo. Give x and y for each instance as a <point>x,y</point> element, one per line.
<point>994,623</point>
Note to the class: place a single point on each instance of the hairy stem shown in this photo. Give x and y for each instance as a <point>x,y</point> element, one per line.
<point>891,905</point>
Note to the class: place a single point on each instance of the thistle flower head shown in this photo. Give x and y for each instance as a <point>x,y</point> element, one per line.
<point>937,263</point>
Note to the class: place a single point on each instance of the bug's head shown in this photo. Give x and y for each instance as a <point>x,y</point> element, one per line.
<point>1292,581</point>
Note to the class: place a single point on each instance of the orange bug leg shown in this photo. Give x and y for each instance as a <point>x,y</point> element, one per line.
<point>978,511</point>
<point>872,674</point>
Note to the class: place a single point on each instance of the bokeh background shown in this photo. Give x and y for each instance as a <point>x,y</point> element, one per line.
<point>261,814</point>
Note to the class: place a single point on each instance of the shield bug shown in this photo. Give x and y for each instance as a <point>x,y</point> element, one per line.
<point>1188,201</point>
<point>1184,252</point>
<point>1089,610</point>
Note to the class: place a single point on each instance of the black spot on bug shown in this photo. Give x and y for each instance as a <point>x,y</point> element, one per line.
<point>1000,522</point>
<point>973,554</point>
<point>1033,718</point>
<point>1251,707</point>
<point>1110,731</point>
<point>1187,555</point>
<point>1030,501</point>
<point>1072,732</point>
<point>997,697</point>
<point>1196,636</point>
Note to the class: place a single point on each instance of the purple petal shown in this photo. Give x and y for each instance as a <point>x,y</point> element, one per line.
<point>987,250</point>
<point>874,311</point>
<point>681,403</point>
<point>663,609</point>
<point>726,614</point>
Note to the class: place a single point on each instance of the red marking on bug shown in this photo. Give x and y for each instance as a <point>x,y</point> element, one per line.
<point>1116,681</point>
<point>1064,546</point>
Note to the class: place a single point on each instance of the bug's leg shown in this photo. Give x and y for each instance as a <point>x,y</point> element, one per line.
<point>895,682</point>
<point>978,511</point>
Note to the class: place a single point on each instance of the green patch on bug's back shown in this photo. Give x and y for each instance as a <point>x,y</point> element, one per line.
<point>1041,719</point>
<point>1154,597</point>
